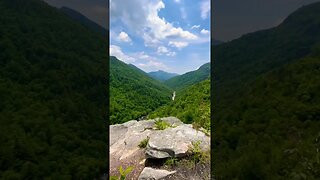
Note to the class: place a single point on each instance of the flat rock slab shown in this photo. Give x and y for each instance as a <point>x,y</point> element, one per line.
<point>125,138</point>
<point>175,142</point>
<point>154,174</point>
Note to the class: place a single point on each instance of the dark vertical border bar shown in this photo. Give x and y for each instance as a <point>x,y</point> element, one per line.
<point>211,89</point>
<point>107,89</point>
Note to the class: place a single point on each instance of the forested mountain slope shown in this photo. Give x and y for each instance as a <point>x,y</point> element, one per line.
<point>133,93</point>
<point>271,131</point>
<point>266,103</point>
<point>53,74</point>
<point>241,60</point>
<point>191,106</point>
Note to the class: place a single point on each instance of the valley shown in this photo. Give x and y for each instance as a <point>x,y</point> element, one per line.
<point>134,94</point>
<point>162,75</point>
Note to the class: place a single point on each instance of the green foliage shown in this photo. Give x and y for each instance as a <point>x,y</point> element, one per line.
<point>180,83</point>
<point>240,61</point>
<point>114,178</point>
<point>133,93</point>
<point>53,91</point>
<point>267,102</point>
<point>192,106</point>
<point>161,125</point>
<point>198,127</point>
<point>123,173</point>
<point>197,155</point>
<point>171,162</point>
<point>144,143</point>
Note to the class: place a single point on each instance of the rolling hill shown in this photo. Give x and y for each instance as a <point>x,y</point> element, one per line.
<point>266,101</point>
<point>53,74</point>
<point>162,75</point>
<point>179,83</point>
<point>133,93</point>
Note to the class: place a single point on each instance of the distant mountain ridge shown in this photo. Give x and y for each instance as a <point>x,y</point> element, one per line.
<point>190,78</point>
<point>216,42</point>
<point>162,75</point>
<point>77,16</point>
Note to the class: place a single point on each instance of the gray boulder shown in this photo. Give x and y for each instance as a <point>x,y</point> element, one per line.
<point>175,142</point>
<point>125,138</point>
<point>154,174</point>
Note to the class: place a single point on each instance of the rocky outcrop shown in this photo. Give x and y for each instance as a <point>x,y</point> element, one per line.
<point>150,174</point>
<point>174,141</point>
<point>125,138</point>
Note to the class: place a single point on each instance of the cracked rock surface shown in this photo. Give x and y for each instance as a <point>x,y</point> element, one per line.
<point>174,141</point>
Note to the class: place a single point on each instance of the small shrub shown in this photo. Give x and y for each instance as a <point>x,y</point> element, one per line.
<point>188,117</point>
<point>123,173</point>
<point>161,125</point>
<point>206,132</point>
<point>197,154</point>
<point>114,178</point>
<point>171,162</point>
<point>198,127</point>
<point>143,143</point>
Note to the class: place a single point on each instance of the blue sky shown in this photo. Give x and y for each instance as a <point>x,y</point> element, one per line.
<point>169,35</point>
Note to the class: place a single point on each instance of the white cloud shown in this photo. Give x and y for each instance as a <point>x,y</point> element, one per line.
<point>143,56</point>
<point>195,27</point>
<point>164,51</point>
<point>124,37</point>
<point>177,1</point>
<point>152,66</point>
<point>205,9</point>
<point>205,32</point>
<point>171,54</point>
<point>178,44</point>
<point>117,52</point>
<point>150,41</point>
<point>140,59</point>
<point>142,17</point>
<point>148,63</point>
